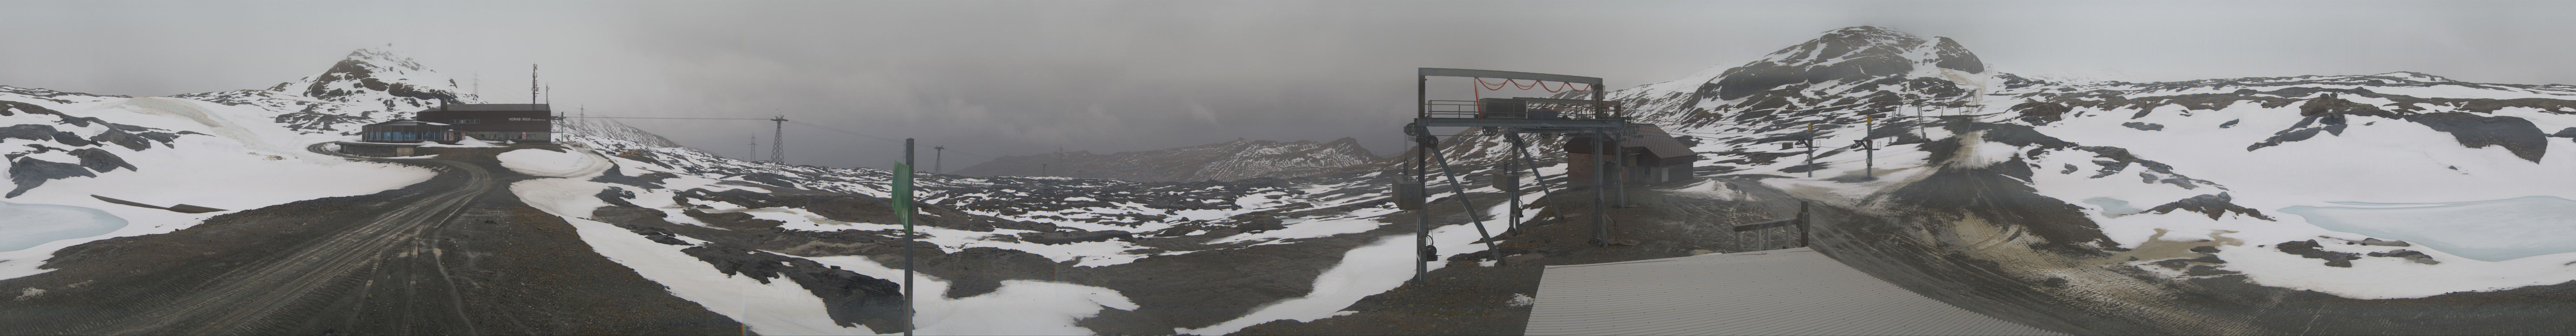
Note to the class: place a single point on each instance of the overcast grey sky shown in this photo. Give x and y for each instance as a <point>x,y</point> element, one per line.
<point>1015,78</point>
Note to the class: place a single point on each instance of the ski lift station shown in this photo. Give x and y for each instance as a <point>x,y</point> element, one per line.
<point>450,123</point>
<point>1790,290</point>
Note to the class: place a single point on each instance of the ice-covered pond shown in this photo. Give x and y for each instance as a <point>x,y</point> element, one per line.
<point>2495,230</point>
<point>27,225</point>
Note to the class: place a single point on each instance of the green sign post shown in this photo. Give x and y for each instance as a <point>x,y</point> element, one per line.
<point>903,213</point>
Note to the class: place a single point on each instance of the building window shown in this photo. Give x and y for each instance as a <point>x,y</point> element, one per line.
<point>469,121</point>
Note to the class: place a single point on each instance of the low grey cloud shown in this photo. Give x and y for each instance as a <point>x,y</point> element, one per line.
<point>1013,78</point>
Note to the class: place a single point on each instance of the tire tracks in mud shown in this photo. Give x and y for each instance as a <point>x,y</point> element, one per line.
<point>265,296</point>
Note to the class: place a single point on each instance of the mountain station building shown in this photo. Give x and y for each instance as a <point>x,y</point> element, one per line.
<point>522,123</point>
<point>1650,156</point>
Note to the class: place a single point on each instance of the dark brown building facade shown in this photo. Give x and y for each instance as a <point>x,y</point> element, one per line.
<point>496,122</point>
<point>1653,156</point>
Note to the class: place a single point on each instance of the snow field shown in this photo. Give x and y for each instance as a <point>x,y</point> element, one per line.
<point>1364,271</point>
<point>542,162</point>
<point>2390,161</point>
<point>779,307</point>
<point>1020,307</point>
<point>245,170</point>
<point>783,308</point>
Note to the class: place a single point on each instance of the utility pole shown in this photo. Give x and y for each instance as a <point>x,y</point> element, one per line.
<point>1869,160</point>
<point>1811,149</point>
<point>938,158</point>
<point>778,140</point>
<point>1042,169</point>
<point>751,149</point>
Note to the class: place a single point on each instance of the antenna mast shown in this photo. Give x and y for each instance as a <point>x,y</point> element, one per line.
<point>532,83</point>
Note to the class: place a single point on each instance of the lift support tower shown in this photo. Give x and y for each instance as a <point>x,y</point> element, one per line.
<point>1594,118</point>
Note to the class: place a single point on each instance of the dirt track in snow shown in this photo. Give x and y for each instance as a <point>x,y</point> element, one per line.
<point>447,256</point>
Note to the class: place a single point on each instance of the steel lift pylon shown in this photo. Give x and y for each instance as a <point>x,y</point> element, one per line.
<point>1595,118</point>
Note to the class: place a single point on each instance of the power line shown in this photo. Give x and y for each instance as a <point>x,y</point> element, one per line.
<point>842,131</point>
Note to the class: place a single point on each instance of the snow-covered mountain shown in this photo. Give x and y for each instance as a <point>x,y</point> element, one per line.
<point>369,86</point>
<point>1224,161</point>
<point>2111,165</point>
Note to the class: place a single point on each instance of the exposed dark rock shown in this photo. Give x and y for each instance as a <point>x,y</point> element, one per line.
<point>731,220</point>
<point>29,173</point>
<point>851,299</point>
<point>74,140</point>
<point>184,208</point>
<point>2143,126</point>
<point>2310,249</point>
<point>980,270</point>
<point>2041,113</point>
<point>2475,131</point>
<point>616,196</point>
<point>122,138</point>
<point>2329,112</point>
<point>2229,123</point>
<point>2377,242</point>
<point>2409,255</point>
<point>1998,194</point>
<point>2186,263</point>
<point>1257,221</point>
<point>1950,55</point>
<point>126,202</point>
<point>2115,159</point>
<point>2214,205</point>
<point>100,160</point>
<point>37,132</point>
<point>1068,237</point>
<point>2207,270</point>
<point>647,181</point>
<point>1864,53</point>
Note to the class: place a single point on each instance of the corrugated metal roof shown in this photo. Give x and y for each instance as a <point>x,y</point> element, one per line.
<point>1779,292</point>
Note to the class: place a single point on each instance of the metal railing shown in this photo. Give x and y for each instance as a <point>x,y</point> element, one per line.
<point>1527,110</point>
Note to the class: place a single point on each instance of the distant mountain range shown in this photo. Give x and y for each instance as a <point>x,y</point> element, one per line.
<point>1224,161</point>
